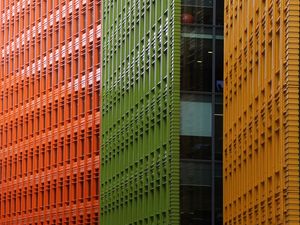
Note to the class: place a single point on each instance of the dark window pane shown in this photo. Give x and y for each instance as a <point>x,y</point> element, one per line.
<point>219,109</point>
<point>195,205</point>
<point>219,104</point>
<point>196,70</point>
<point>220,12</point>
<point>195,147</point>
<point>218,201</point>
<point>219,33</point>
<point>218,193</point>
<point>219,66</point>
<point>202,3</point>
<point>218,136</point>
<point>195,172</point>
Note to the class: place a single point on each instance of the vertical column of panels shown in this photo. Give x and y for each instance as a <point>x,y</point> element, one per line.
<point>49,112</point>
<point>261,125</point>
<point>140,115</point>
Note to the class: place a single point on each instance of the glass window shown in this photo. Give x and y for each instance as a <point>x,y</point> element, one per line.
<point>218,136</point>
<point>196,69</point>
<point>218,127</point>
<point>195,205</point>
<point>219,104</point>
<point>220,12</point>
<point>197,12</point>
<point>195,173</point>
<point>195,118</point>
<point>195,147</point>
<point>195,114</point>
<point>219,66</point>
<point>218,201</point>
<point>218,194</point>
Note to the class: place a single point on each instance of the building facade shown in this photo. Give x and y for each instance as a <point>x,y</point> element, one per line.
<point>49,111</point>
<point>261,117</point>
<point>201,114</point>
<point>162,112</point>
<point>140,112</point>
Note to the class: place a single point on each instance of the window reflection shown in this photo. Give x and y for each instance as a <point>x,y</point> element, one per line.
<point>195,147</point>
<point>197,12</point>
<point>196,61</point>
<point>196,118</point>
<point>196,205</point>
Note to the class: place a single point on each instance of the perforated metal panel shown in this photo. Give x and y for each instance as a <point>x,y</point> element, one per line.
<point>140,129</point>
<point>261,99</point>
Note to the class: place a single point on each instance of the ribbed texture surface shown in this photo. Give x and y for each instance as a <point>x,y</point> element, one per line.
<point>261,121</point>
<point>140,129</point>
<point>49,111</point>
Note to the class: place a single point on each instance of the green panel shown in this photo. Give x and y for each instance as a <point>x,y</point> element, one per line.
<point>140,112</point>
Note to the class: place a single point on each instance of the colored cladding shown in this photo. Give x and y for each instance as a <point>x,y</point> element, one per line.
<point>261,103</point>
<point>140,114</point>
<point>49,112</point>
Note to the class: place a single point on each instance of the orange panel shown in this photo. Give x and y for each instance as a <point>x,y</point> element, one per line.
<point>261,112</point>
<point>49,111</point>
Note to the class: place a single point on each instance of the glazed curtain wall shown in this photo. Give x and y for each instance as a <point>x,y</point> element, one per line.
<point>201,87</point>
<point>140,114</point>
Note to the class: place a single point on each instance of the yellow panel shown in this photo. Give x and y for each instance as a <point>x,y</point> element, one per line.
<point>261,112</point>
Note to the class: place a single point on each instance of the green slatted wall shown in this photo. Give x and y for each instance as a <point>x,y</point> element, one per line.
<point>140,114</point>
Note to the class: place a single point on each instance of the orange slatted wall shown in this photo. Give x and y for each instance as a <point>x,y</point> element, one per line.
<point>49,111</point>
<point>261,112</point>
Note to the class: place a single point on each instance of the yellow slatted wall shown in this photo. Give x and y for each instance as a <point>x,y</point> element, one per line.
<point>261,112</point>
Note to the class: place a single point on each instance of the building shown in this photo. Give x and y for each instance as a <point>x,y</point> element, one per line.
<point>261,117</point>
<point>162,83</point>
<point>49,111</point>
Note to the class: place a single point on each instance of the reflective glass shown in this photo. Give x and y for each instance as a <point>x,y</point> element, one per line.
<point>201,107</point>
<point>196,61</point>
<point>196,205</point>
<point>220,12</point>
<point>219,66</point>
<point>195,12</point>
<point>218,194</point>
<point>218,136</point>
<point>218,201</point>
<point>195,147</point>
<point>195,172</point>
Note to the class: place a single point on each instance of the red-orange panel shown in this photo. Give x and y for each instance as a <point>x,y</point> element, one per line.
<point>49,111</point>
